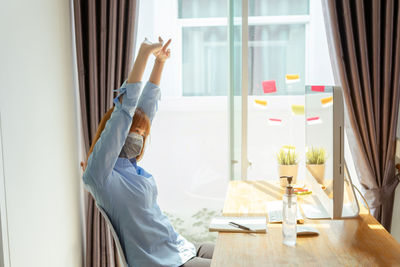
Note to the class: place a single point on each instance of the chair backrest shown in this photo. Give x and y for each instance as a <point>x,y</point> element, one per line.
<point>115,237</point>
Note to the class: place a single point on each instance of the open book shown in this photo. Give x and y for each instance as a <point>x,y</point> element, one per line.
<point>255,224</point>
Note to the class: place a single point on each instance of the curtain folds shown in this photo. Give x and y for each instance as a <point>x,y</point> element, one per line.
<point>365,36</point>
<point>105,33</point>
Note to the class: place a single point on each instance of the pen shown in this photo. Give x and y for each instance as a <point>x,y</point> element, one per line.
<point>239,226</point>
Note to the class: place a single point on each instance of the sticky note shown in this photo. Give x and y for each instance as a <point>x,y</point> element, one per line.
<point>298,109</point>
<point>274,121</point>
<point>318,88</point>
<point>327,101</point>
<point>269,86</point>
<point>292,78</point>
<point>313,120</point>
<point>261,102</point>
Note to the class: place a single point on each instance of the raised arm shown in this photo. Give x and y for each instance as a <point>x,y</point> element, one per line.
<point>146,49</point>
<point>108,147</point>
<point>151,92</point>
<point>161,57</point>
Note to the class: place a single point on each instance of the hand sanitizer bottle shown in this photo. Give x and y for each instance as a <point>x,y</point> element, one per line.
<point>289,212</point>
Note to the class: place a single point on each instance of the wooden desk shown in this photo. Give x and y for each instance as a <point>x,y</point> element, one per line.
<point>350,242</point>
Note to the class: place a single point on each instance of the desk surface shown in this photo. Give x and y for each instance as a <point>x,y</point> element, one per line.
<point>360,241</point>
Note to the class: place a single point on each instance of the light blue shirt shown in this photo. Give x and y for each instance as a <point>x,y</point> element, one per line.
<point>128,193</point>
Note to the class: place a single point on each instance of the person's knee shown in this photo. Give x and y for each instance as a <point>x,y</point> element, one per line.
<point>205,250</point>
<point>197,262</point>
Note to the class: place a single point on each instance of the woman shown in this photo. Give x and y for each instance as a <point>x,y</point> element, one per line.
<point>124,190</point>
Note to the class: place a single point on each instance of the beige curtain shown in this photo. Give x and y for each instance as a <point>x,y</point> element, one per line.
<point>365,54</point>
<point>105,39</point>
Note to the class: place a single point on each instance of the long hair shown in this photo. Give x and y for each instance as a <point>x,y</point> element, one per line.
<point>139,119</point>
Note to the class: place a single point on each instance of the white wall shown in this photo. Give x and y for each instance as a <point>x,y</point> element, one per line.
<point>1,247</point>
<point>41,168</point>
<point>159,18</point>
<point>398,126</point>
<point>395,231</point>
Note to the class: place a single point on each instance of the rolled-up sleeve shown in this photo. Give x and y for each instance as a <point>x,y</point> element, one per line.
<point>131,92</point>
<point>148,101</point>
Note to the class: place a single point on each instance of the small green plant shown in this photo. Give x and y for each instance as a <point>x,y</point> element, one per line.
<point>287,156</point>
<point>316,156</point>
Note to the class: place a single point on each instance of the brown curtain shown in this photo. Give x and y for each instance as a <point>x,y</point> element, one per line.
<point>365,35</point>
<point>105,39</point>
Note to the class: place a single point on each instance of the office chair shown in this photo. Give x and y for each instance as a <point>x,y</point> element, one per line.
<point>121,256</point>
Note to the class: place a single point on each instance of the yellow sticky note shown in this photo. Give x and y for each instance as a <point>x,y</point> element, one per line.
<point>327,101</point>
<point>298,109</point>
<point>261,102</point>
<point>292,76</point>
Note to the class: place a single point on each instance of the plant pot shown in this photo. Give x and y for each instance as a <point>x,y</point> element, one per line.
<point>317,171</point>
<point>288,170</point>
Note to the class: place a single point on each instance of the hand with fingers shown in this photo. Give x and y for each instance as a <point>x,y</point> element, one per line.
<point>83,165</point>
<point>164,53</point>
<point>148,47</point>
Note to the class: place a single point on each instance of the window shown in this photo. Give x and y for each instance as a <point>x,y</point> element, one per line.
<point>277,31</point>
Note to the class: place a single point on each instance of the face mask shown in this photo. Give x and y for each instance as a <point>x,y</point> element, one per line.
<point>132,147</point>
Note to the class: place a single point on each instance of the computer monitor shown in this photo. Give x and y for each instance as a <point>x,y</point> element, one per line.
<point>326,171</point>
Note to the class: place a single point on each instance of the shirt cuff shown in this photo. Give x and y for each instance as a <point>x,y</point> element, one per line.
<point>131,92</point>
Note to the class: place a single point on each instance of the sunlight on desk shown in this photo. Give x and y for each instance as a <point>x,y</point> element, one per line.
<point>348,242</point>
<point>376,226</point>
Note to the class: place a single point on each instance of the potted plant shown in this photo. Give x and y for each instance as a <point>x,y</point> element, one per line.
<point>316,158</point>
<point>287,164</point>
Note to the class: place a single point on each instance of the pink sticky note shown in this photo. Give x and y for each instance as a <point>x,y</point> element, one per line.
<point>318,88</point>
<point>312,118</point>
<point>269,86</point>
<point>273,121</point>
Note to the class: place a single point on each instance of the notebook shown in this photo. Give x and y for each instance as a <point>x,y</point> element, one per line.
<point>274,209</point>
<point>256,224</point>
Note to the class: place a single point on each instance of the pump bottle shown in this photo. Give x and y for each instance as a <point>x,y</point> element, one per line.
<point>289,212</point>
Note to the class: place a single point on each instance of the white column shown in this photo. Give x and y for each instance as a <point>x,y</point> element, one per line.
<point>40,170</point>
